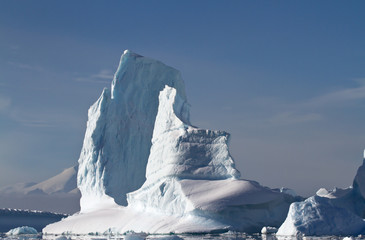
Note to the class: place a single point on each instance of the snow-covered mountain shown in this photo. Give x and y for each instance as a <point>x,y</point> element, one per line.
<point>140,146</point>
<point>65,182</point>
<point>336,212</point>
<point>56,194</point>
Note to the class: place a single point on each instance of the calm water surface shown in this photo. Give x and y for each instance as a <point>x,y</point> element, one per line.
<point>240,236</point>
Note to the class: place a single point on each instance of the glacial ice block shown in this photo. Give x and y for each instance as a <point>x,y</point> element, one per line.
<point>120,123</point>
<point>190,183</point>
<point>336,212</point>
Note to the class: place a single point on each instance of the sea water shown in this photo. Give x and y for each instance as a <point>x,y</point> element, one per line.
<point>136,236</point>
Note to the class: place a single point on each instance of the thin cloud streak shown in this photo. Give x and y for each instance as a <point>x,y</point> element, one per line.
<point>28,67</point>
<point>339,96</point>
<point>36,123</point>
<point>4,103</point>
<point>43,120</point>
<point>104,76</point>
<point>309,110</point>
<point>286,118</point>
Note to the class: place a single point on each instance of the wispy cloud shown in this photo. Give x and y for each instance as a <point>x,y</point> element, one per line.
<point>340,96</point>
<point>14,47</point>
<point>35,123</point>
<point>28,118</point>
<point>27,66</point>
<point>24,118</point>
<point>4,103</point>
<point>279,112</point>
<point>104,76</point>
<point>286,118</point>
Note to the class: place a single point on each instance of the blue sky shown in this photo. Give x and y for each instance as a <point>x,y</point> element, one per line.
<point>285,78</point>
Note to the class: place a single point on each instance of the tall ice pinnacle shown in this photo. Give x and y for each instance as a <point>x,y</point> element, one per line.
<point>119,130</point>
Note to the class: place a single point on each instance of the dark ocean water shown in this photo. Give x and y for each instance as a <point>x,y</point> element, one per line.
<point>227,236</point>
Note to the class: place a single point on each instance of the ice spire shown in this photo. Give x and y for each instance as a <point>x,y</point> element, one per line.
<point>119,130</point>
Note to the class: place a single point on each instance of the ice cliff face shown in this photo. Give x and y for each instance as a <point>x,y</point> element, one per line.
<point>180,151</point>
<point>336,212</point>
<point>359,181</point>
<point>120,124</point>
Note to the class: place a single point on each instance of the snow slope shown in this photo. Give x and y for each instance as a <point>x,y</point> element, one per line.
<point>191,183</point>
<point>336,212</point>
<point>56,194</point>
<point>119,130</point>
<point>12,218</point>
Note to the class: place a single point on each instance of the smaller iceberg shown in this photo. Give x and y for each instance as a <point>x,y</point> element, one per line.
<point>22,231</point>
<point>337,212</point>
<point>268,230</point>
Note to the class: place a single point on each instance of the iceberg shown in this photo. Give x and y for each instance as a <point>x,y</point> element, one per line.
<point>268,230</point>
<point>336,212</point>
<point>21,231</point>
<point>144,167</point>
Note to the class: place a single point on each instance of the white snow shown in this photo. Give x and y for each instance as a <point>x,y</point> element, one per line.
<point>121,220</point>
<point>21,231</point>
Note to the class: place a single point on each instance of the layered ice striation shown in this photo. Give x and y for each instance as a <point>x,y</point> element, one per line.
<point>336,212</point>
<point>119,130</point>
<point>180,151</point>
<point>183,151</point>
